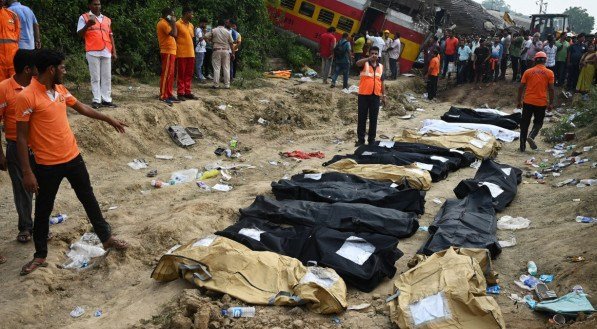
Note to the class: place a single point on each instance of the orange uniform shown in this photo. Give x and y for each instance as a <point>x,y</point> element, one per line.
<point>537,79</point>
<point>184,40</point>
<point>434,66</point>
<point>50,135</point>
<point>370,82</point>
<point>10,33</point>
<point>166,41</point>
<point>9,89</point>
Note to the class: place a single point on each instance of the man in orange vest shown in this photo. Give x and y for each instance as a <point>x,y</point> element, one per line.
<point>433,74</point>
<point>371,92</point>
<point>10,33</point>
<point>96,29</point>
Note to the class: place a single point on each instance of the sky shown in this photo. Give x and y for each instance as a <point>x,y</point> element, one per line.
<point>553,6</point>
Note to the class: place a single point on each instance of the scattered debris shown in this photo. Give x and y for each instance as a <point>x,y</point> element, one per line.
<point>508,243</point>
<point>437,201</point>
<point>584,219</point>
<point>222,187</point>
<point>164,157</point>
<point>512,223</point>
<point>57,219</point>
<point>261,121</point>
<point>180,136</point>
<point>152,173</point>
<point>77,312</point>
<point>406,117</point>
<point>222,107</point>
<point>137,164</point>
<point>358,307</point>
<point>81,252</point>
<point>304,155</point>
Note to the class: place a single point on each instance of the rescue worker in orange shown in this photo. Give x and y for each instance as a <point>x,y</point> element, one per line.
<point>371,94</point>
<point>433,74</point>
<point>167,34</point>
<point>96,29</point>
<point>10,33</point>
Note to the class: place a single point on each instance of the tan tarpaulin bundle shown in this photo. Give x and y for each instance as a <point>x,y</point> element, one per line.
<point>447,290</point>
<point>417,178</point>
<point>481,144</point>
<point>256,277</point>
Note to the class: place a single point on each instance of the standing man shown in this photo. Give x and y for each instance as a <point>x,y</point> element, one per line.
<point>342,59</point>
<point>167,33</point>
<point>371,92</point>
<point>464,55</point>
<point>394,53</point>
<point>497,50</point>
<point>377,41</point>
<point>185,54</point>
<point>561,55</point>
<point>10,34</point>
<point>515,49</point>
<point>575,52</point>
<point>200,49</point>
<point>451,47</point>
<point>385,53</point>
<point>96,30</point>
<point>222,52</point>
<point>482,55</point>
<point>42,123</point>
<point>432,74</point>
<point>536,46</point>
<point>550,49</point>
<point>506,42</point>
<point>536,82</point>
<point>30,37</point>
<point>526,45</point>
<point>327,43</point>
<point>9,89</point>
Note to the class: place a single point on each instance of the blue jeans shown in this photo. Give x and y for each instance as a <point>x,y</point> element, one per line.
<point>343,68</point>
<point>199,57</point>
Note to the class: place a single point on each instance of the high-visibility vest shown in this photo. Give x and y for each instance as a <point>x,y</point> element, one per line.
<point>97,37</point>
<point>10,31</point>
<point>371,80</point>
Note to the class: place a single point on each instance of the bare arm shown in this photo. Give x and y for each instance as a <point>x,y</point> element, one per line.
<point>36,36</point>
<point>173,29</point>
<point>2,158</point>
<point>520,93</point>
<point>114,54</point>
<point>29,180</point>
<point>87,111</point>
<point>361,62</point>
<point>552,96</point>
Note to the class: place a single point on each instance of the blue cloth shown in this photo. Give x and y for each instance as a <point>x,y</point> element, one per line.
<point>464,53</point>
<point>27,19</point>
<point>569,304</point>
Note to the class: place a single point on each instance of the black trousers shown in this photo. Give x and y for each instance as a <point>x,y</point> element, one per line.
<point>560,73</point>
<point>368,108</point>
<point>503,66</point>
<point>394,68</point>
<point>515,66</point>
<point>207,67</point>
<point>49,179</point>
<point>538,114</point>
<point>573,73</point>
<point>431,87</point>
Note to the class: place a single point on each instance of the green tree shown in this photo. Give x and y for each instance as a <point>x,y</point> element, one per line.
<point>497,5</point>
<point>580,20</point>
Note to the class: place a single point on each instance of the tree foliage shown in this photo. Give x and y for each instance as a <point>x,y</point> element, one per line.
<point>580,20</point>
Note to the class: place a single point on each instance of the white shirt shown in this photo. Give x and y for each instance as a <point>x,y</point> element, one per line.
<point>81,25</point>
<point>551,54</point>
<point>201,44</point>
<point>395,52</point>
<point>377,42</point>
<point>526,45</point>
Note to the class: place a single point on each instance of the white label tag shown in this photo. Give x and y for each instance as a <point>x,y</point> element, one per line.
<point>424,166</point>
<point>205,242</point>
<point>320,276</point>
<point>429,309</point>
<point>453,116</point>
<point>456,151</point>
<point>493,189</point>
<point>356,250</point>
<point>484,137</point>
<point>478,143</point>
<point>252,233</point>
<point>438,158</point>
<point>313,176</point>
<point>394,185</point>
<point>367,153</point>
<point>507,171</point>
<point>388,144</point>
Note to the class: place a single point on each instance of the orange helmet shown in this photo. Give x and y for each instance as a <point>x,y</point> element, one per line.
<point>540,54</point>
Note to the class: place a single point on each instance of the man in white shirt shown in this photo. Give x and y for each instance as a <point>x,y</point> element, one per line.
<point>376,41</point>
<point>550,50</point>
<point>96,30</point>
<point>394,53</point>
<point>385,58</point>
<point>200,48</point>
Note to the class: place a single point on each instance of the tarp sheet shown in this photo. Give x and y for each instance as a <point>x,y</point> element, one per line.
<point>467,223</point>
<point>457,114</point>
<point>335,187</point>
<point>264,278</point>
<point>502,180</point>
<point>363,260</point>
<point>454,127</point>
<point>482,145</point>
<point>445,291</point>
<point>347,217</point>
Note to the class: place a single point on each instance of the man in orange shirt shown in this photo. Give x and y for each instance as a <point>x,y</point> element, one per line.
<point>538,81</point>
<point>42,123</point>
<point>9,89</point>
<point>167,34</point>
<point>432,75</point>
<point>451,51</point>
<point>10,33</point>
<point>185,54</point>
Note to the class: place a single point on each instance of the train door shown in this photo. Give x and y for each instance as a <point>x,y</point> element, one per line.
<point>373,19</point>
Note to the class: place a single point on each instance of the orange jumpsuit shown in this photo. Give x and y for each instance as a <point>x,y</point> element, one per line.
<point>10,31</point>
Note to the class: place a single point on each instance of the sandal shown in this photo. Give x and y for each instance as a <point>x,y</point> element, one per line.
<point>116,244</point>
<point>24,237</point>
<point>2,259</point>
<point>33,265</point>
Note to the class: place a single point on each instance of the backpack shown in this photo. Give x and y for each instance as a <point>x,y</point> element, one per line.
<point>340,49</point>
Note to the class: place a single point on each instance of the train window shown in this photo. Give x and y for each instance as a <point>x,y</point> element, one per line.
<point>345,24</point>
<point>307,9</point>
<point>288,4</point>
<point>325,16</point>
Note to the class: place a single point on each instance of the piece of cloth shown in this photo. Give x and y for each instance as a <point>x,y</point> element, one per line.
<point>255,277</point>
<point>570,304</point>
<point>50,135</point>
<point>441,126</point>
<point>501,179</point>
<point>221,64</point>
<point>304,155</point>
<point>368,108</point>
<point>100,71</point>
<point>465,141</point>
<point>9,89</point>
<point>10,34</point>
<point>446,290</point>
<point>537,80</point>
<point>166,42</point>
<point>415,177</point>
<point>551,52</point>
<point>326,68</point>
<point>358,45</point>
<point>451,45</point>
<point>199,65</point>
<point>98,40</point>
<point>396,46</point>
<point>167,76</point>
<point>27,19</point>
<point>530,111</point>
<point>184,39</point>
<point>326,44</point>
<point>185,67</point>
<point>466,115</point>
<point>344,69</point>
<point>23,200</point>
<point>333,187</point>
<point>201,45</point>
<point>49,178</point>
<point>585,79</point>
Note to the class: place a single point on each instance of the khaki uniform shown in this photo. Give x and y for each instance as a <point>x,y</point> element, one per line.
<point>222,39</point>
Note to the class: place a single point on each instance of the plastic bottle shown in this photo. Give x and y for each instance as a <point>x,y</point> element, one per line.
<point>158,183</point>
<point>532,268</point>
<point>234,142</point>
<point>239,312</point>
<point>57,219</point>
<point>584,219</point>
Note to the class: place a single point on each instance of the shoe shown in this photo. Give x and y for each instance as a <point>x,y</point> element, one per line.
<point>109,104</point>
<point>210,77</point>
<point>227,87</point>
<point>333,85</point>
<point>174,99</point>
<point>532,143</point>
<point>215,87</point>
<point>181,98</point>
<point>96,105</point>
<point>190,96</point>
<point>357,144</point>
<point>167,101</point>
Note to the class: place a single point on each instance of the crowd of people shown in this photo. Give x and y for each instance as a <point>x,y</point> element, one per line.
<point>483,59</point>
